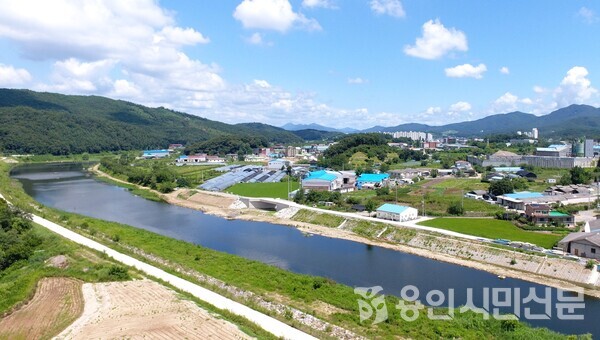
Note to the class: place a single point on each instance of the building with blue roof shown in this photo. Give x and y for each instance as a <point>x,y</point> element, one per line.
<point>322,180</point>
<point>325,180</point>
<point>396,212</point>
<point>372,180</point>
<point>518,200</point>
<point>155,153</point>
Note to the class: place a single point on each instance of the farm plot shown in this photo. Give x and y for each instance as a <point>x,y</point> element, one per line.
<point>56,304</point>
<point>144,309</point>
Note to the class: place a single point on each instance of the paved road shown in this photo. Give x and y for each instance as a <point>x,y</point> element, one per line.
<point>268,323</point>
<point>408,224</point>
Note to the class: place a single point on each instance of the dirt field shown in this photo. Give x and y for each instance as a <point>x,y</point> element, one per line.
<point>144,309</point>
<point>204,198</point>
<point>56,304</point>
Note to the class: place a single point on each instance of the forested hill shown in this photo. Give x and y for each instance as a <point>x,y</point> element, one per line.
<point>35,122</point>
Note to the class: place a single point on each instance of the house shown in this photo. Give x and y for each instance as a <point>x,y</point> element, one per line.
<point>372,180</point>
<point>214,160</point>
<point>430,145</point>
<point>396,212</point>
<point>148,154</point>
<point>507,169</point>
<point>527,175</point>
<point>191,159</point>
<point>515,200</point>
<point>348,181</point>
<point>494,176</point>
<point>278,164</point>
<point>322,180</point>
<point>543,214</point>
<point>404,174</point>
<point>569,189</point>
<point>582,244</point>
<point>173,147</point>
<point>463,165</point>
<point>477,194</point>
<point>444,172</point>
<point>256,158</point>
<point>592,226</point>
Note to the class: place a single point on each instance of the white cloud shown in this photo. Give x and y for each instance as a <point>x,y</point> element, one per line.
<point>575,88</point>
<point>125,89</point>
<point>390,7</point>
<point>74,76</point>
<point>262,83</point>
<point>587,15</point>
<point>538,89</point>
<point>504,70</point>
<point>509,102</point>
<point>357,80</point>
<point>437,41</point>
<point>433,110</point>
<point>10,76</point>
<point>257,39</point>
<point>466,70</point>
<point>91,42</point>
<point>318,3</point>
<point>275,15</point>
<point>181,36</point>
<point>460,107</point>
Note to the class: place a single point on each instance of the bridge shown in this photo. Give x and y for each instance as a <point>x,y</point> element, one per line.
<point>264,203</point>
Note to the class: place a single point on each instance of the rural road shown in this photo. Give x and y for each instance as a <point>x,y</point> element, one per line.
<point>408,224</point>
<point>268,323</point>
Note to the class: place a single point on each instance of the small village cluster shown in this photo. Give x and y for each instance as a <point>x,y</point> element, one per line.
<point>280,160</point>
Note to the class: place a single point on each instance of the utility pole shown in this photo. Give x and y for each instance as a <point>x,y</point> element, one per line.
<point>423,205</point>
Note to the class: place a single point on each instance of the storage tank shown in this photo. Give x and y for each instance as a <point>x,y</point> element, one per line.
<point>578,148</point>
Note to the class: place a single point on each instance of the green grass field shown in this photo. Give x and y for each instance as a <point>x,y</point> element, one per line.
<point>273,190</point>
<point>491,228</point>
<point>466,184</point>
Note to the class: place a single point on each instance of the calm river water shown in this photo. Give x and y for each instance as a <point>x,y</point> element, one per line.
<point>69,188</point>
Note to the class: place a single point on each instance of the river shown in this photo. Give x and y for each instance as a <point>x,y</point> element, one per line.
<point>69,188</point>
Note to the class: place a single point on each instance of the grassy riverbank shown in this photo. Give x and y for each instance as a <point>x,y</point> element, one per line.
<point>494,229</point>
<point>134,189</point>
<point>324,298</point>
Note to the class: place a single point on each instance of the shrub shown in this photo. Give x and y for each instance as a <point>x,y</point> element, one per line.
<point>590,264</point>
<point>456,208</point>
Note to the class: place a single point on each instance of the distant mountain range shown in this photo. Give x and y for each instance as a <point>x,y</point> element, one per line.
<point>313,126</point>
<point>570,122</point>
<point>37,122</point>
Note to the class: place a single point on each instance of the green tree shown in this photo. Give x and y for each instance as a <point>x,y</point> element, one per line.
<point>565,179</point>
<point>456,208</point>
<point>580,176</point>
<point>501,187</point>
<point>384,167</point>
<point>370,206</point>
<point>299,197</point>
<point>434,173</point>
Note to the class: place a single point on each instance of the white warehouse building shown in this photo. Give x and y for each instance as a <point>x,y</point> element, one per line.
<point>396,212</point>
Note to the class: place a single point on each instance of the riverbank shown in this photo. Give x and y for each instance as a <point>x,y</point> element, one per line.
<point>315,295</point>
<point>554,272</point>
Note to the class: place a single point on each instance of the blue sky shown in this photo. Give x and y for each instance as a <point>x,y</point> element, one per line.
<point>338,63</point>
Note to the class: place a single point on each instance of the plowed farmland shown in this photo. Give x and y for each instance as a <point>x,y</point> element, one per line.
<point>144,309</point>
<point>56,304</point>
